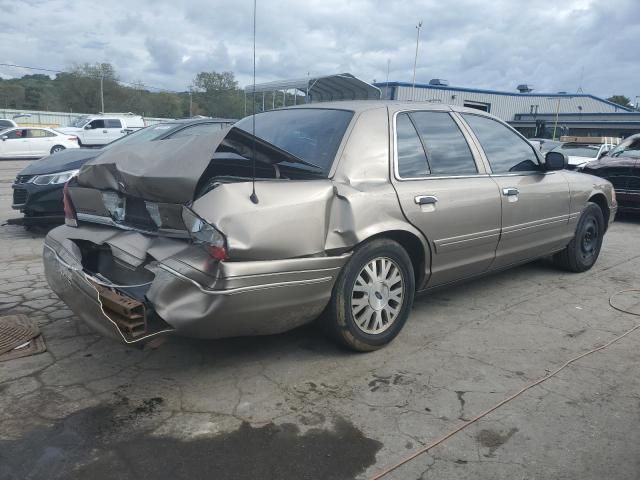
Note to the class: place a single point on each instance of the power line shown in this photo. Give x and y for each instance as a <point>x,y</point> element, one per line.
<point>40,69</point>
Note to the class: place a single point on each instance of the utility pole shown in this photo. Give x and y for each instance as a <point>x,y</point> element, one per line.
<point>102,89</point>
<point>190,104</point>
<point>415,62</point>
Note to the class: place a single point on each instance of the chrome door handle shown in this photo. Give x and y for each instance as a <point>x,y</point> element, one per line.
<point>426,199</point>
<point>510,191</point>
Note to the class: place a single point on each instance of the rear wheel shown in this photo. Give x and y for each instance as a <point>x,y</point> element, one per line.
<point>583,250</point>
<point>372,297</point>
<point>56,148</point>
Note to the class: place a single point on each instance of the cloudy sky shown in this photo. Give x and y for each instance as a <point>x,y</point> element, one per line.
<point>493,44</point>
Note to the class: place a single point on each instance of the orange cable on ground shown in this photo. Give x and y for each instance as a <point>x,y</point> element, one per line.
<point>437,442</point>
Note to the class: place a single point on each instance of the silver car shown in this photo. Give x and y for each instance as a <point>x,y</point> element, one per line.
<point>340,212</point>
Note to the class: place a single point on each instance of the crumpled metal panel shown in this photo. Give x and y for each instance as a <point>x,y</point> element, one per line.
<point>162,171</point>
<point>168,171</point>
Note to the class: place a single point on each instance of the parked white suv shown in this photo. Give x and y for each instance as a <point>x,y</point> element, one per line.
<point>98,130</point>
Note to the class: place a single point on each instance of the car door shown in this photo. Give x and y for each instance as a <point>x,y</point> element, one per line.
<point>96,134</point>
<point>15,144</point>
<point>114,129</point>
<point>40,141</point>
<point>445,192</point>
<point>535,203</point>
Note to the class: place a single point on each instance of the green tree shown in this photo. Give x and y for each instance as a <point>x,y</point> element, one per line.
<point>620,100</point>
<point>218,95</point>
<point>11,95</point>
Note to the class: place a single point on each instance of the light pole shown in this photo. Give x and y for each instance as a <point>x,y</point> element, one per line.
<point>415,61</point>
<point>555,122</point>
<point>386,88</point>
<point>102,89</point>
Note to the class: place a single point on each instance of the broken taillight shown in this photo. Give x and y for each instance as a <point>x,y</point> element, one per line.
<point>205,234</point>
<point>70,217</point>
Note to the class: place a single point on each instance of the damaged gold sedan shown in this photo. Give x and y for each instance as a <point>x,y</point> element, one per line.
<point>342,211</point>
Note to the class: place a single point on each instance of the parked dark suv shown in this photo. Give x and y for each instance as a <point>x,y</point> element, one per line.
<point>37,190</point>
<point>621,166</point>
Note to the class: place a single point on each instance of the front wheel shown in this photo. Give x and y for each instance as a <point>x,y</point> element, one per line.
<point>372,296</point>
<point>56,149</point>
<point>583,250</point>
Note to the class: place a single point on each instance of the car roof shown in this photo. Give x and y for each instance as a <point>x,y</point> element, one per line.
<point>363,105</point>
<point>196,121</point>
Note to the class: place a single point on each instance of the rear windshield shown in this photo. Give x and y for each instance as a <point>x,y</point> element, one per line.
<point>311,134</point>
<point>576,150</point>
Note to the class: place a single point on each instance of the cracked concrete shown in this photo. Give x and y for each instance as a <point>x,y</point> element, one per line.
<point>297,406</point>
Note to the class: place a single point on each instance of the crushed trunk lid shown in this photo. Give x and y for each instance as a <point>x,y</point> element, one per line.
<point>169,170</point>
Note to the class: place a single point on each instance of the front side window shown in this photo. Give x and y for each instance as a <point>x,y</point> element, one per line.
<point>14,134</point>
<point>112,123</point>
<point>412,161</point>
<point>97,124</point>
<point>505,150</point>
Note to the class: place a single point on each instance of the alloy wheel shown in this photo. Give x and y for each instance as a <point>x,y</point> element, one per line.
<point>377,295</point>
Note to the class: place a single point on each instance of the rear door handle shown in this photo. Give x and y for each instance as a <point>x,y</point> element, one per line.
<point>511,191</point>
<point>426,199</point>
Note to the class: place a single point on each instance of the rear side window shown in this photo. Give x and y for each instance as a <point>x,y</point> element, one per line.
<point>412,161</point>
<point>506,151</point>
<point>112,123</point>
<point>37,133</point>
<point>446,148</point>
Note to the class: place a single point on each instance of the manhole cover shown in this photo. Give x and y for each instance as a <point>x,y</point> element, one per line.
<point>19,337</point>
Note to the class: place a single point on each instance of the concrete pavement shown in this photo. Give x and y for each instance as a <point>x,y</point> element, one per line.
<point>296,406</point>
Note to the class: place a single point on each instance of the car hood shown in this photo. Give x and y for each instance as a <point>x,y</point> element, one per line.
<point>169,170</point>
<point>69,159</point>
<point>576,160</point>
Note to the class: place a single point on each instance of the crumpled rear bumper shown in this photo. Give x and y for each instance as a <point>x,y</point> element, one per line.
<point>247,298</point>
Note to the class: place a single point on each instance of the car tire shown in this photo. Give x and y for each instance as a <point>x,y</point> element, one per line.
<point>583,250</point>
<point>57,148</point>
<point>367,311</point>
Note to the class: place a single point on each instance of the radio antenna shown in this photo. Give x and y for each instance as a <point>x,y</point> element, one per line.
<point>254,197</point>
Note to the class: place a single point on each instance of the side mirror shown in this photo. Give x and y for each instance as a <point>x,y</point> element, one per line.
<point>556,161</point>
<point>87,127</point>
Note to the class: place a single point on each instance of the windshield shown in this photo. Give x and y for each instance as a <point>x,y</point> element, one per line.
<point>79,122</point>
<point>629,148</point>
<point>311,134</point>
<point>143,135</point>
<point>576,150</point>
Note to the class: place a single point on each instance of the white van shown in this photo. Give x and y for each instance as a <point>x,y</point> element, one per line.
<point>98,130</point>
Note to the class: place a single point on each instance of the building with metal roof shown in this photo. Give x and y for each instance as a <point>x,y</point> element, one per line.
<point>325,88</point>
<point>534,114</point>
